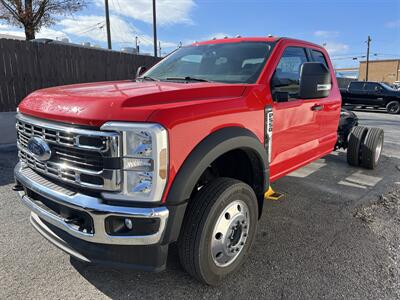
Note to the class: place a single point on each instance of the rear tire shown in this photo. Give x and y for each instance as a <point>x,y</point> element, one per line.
<point>393,107</point>
<point>210,247</point>
<point>372,148</point>
<point>356,139</point>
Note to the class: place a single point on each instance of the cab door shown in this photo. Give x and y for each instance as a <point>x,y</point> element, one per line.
<point>295,135</point>
<point>373,94</point>
<point>329,112</point>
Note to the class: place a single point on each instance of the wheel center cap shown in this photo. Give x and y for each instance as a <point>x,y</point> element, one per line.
<point>236,235</point>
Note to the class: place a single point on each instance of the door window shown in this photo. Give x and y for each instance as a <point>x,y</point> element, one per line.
<point>318,56</point>
<point>371,87</point>
<point>356,86</point>
<point>286,78</point>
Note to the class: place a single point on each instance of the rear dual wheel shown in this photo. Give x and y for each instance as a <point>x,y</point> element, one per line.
<point>218,230</point>
<point>372,148</point>
<point>365,147</point>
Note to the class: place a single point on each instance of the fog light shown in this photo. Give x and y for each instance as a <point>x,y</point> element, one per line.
<point>123,226</point>
<point>128,223</point>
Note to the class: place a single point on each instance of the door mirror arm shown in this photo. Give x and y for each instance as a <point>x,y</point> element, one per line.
<point>279,96</point>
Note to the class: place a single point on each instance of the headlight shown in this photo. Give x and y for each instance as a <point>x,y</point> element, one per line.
<point>144,160</point>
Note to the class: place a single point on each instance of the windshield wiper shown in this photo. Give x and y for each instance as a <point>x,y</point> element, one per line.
<point>188,78</point>
<point>147,78</point>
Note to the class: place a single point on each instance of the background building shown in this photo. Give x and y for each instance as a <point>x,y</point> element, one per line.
<point>387,70</point>
<point>347,73</point>
<point>12,37</point>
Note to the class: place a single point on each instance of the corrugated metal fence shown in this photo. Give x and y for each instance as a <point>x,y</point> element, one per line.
<point>28,66</point>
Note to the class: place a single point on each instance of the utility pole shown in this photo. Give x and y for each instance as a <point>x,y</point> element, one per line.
<point>137,44</point>
<point>159,48</point>
<point>366,70</point>
<point>108,25</point>
<point>155,28</point>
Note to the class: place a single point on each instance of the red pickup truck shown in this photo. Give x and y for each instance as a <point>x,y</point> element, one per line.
<point>115,172</point>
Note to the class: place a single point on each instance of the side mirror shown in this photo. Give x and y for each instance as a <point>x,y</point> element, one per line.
<point>315,81</point>
<point>140,71</point>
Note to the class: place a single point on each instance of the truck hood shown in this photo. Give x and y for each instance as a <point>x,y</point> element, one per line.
<point>94,104</point>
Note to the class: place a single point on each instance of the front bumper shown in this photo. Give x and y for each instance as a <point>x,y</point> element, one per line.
<point>140,251</point>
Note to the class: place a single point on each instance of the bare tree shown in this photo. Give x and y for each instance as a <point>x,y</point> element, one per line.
<point>35,14</point>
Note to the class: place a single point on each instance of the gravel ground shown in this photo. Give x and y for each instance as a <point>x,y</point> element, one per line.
<point>383,219</point>
<point>335,235</point>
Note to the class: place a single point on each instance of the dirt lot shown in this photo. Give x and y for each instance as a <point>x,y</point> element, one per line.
<point>335,235</point>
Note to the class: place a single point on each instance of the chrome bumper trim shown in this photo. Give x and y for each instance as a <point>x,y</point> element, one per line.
<point>95,208</point>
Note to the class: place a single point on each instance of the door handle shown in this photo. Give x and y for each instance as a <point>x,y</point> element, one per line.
<point>317,107</point>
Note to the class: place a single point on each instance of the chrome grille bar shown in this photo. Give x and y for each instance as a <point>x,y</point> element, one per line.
<point>68,136</point>
<point>77,154</point>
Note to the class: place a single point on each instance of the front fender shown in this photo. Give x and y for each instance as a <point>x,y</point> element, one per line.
<point>207,151</point>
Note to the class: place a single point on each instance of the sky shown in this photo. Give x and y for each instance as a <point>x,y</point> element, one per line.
<point>342,26</point>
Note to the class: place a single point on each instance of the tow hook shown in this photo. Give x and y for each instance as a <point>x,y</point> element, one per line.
<point>17,187</point>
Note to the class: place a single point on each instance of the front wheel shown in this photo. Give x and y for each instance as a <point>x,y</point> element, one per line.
<point>218,230</point>
<point>393,107</point>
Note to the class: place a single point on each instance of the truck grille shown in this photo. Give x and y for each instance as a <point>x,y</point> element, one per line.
<point>78,155</point>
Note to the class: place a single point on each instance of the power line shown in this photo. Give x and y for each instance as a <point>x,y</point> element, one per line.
<point>90,28</point>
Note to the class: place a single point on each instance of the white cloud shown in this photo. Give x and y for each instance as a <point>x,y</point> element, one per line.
<point>168,11</point>
<point>336,48</point>
<point>326,34</point>
<point>43,33</point>
<point>216,35</point>
<point>92,28</point>
<point>122,32</point>
<point>393,24</point>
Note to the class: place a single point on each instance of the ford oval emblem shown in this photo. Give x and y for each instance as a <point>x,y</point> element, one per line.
<point>39,149</point>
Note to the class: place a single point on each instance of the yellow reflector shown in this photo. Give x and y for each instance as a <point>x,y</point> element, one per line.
<point>163,164</point>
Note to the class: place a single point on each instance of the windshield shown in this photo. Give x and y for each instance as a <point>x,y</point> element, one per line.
<point>387,86</point>
<point>228,62</point>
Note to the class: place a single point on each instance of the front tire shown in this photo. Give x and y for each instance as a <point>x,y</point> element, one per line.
<point>218,230</point>
<point>393,107</point>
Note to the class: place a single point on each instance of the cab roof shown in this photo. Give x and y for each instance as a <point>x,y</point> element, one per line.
<point>253,39</point>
